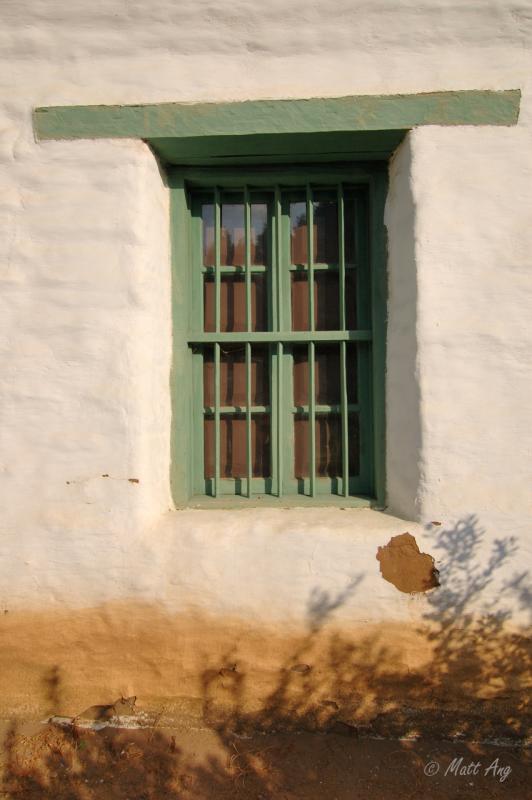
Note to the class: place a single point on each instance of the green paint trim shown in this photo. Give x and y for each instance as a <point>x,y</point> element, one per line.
<point>252,117</point>
<point>368,184</point>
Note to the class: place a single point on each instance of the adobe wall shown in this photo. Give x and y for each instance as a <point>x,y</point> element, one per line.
<point>85,336</point>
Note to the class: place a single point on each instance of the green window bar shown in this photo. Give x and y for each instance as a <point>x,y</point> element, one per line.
<point>277,316</point>
<point>328,417</point>
<point>217,312</point>
<point>343,353</point>
<point>247,240</point>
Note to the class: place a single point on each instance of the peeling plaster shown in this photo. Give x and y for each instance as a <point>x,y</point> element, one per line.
<point>402,564</point>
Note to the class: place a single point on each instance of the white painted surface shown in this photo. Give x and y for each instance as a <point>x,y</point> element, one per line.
<point>85,320</point>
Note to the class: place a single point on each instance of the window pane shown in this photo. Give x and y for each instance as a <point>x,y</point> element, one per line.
<point>233,303</point>
<point>353,429</point>
<point>325,229</point>
<point>351,360</point>
<point>326,373</point>
<point>298,233</point>
<point>351,319</point>
<point>300,309</point>
<point>326,301</point>
<point>350,229</point>
<point>233,446</point>
<point>259,233</point>
<point>207,217</point>
<point>328,445</point>
<point>232,236</point>
<point>233,376</point>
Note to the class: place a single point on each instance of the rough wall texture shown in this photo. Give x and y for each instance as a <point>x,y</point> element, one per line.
<point>85,339</point>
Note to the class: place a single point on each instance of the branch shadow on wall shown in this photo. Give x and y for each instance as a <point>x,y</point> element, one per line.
<point>473,685</point>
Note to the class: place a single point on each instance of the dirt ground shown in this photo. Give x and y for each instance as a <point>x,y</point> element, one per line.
<point>48,762</point>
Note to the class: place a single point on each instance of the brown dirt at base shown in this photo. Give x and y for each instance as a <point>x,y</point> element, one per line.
<point>52,763</point>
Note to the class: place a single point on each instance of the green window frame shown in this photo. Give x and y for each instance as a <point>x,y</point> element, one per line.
<point>190,187</point>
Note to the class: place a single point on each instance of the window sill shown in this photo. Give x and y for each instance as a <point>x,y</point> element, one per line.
<point>269,501</point>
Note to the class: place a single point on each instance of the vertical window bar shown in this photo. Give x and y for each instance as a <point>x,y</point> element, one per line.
<point>278,449</point>
<point>310,256</point>
<point>248,416</point>
<point>341,255</point>
<point>247,235</point>
<point>217,453</point>
<point>312,419</point>
<point>217,234</point>
<point>278,257</point>
<point>343,346</point>
<point>345,427</point>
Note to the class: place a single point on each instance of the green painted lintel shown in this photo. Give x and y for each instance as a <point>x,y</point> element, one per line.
<point>253,117</point>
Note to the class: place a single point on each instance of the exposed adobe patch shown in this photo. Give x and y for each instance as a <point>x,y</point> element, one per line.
<point>403,565</point>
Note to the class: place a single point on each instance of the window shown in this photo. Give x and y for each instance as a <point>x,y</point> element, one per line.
<point>280,338</point>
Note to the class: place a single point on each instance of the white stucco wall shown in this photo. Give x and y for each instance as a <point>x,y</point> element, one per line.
<point>85,295</point>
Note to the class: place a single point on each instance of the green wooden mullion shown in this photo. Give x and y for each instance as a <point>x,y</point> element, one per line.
<point>247,237</point>
<point>232,270</point>
<point>217,235</point>
<point>312,418</point>
<point>270,337</point>
<point>343,347</point>
<point>345,419</point>
<point>248,417</point>
<point>236,411</point>
<point>310,256</point>
<point>341,255</point>
<point>278,323</point>
<point>321,408</point>
<point>279,258</point>
<point>317,267</point>
<point>217,452</point>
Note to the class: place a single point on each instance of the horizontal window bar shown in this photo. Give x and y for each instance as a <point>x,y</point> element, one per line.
<point>319,267</point>
<point>232,270</point>
<point>266,337</point>
<point>209,410</point>
<point>335,408</point>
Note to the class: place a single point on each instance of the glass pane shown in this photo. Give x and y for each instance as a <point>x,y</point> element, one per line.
<point>351,361</point>
<point>232,236</point>
<point>328,445</point>
<point>326,373</point>
<point>298,233</point>
<point>353,429</point>
<point>351,320</point>
<point>350,229</point>
<point>325,229</point>
<point>207,218</point>
<point>326,301</point>
<point>233,303</point>
<point>233,376</point>
<point>300,375</point>
<point>300,315</point>
<point>259,233</point>
<point>233,446</point>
